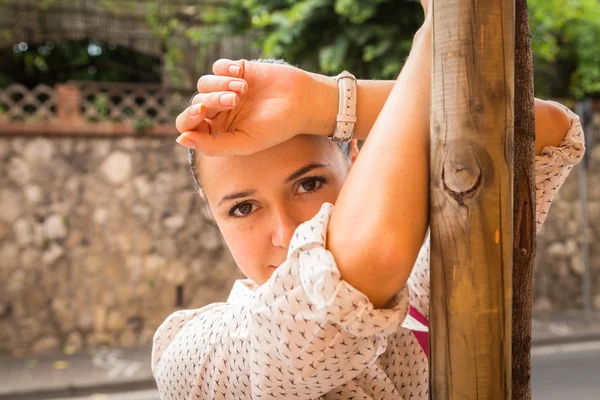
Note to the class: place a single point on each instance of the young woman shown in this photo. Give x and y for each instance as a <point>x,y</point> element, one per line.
<point>327,309</point>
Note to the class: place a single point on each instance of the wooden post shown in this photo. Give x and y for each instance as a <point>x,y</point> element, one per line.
<point>471,199</point>
<point>68,103</point>
<point>524,243</point>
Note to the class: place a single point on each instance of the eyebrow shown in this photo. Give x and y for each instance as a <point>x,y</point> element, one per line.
<point>302,171</point>
<point>235,196</point>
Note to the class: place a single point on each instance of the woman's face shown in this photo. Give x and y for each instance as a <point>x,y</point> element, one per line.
<point>258,201</point>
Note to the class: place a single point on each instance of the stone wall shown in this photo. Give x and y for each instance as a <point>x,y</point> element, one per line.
<point>560,262</point>
<point>100,239</point>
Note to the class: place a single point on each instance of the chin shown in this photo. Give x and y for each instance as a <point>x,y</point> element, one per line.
<point>269,272</point>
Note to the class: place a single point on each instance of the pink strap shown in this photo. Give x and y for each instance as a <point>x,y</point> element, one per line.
<point>422,337</point>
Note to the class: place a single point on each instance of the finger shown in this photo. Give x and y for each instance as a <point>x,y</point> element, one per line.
<point>225,67</point>
<point>214,83</point>
<point>202,129</point>
<point>222,144</point>
<point>190,118</point>
<point>216,102</point>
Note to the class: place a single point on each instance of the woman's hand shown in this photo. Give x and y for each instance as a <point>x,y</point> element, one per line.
<point>246,107</point>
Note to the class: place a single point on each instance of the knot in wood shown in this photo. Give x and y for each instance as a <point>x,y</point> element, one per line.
<point>461,174</point>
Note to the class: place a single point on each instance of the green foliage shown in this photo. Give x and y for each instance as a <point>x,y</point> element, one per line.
<point>101,103</point>
<point>371,38</point>
<point>566,46</point>
<point>170,30</point>
<point>142,125</point>
<point>55,61</point>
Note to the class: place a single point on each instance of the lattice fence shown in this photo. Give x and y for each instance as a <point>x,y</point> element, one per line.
<point>18,103</point>
<point>93,103</point>
<point>123,102</point>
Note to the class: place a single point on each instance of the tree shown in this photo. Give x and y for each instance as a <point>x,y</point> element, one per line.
<point>566,49</point>
<point>372,37</point>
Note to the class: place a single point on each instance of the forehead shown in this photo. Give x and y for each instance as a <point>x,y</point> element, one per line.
<point>274,163</point>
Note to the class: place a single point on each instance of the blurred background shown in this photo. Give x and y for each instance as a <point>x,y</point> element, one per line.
<point>101,233</point>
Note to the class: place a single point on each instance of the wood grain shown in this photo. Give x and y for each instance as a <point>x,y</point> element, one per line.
<point>471,199</point>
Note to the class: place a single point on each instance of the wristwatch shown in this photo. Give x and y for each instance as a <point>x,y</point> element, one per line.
<point>346,116</point>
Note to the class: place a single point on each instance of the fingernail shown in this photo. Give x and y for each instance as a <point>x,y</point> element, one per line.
<point>227,99</point>
<point>237,86</point>
<point>182,140</point>
<point>195,110</point>
<point>234,69</point>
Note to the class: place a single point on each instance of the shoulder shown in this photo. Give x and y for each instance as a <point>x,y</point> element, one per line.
<point>205,321</point>
<point>552,121</point>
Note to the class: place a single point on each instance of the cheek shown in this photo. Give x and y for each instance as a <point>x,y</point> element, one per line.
<point>247,246</point>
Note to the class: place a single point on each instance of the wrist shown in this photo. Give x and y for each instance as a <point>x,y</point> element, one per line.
<point>323,106</point>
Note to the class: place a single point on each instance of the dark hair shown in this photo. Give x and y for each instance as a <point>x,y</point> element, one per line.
<point>191,153</point>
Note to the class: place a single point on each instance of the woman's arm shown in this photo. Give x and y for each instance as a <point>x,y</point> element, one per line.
<point>371,96</point>
<point>381,214</point>
<point>552,121</point>
<point>280,100</point>
<point>551,125</point>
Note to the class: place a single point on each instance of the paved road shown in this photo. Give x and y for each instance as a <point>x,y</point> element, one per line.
<point>570,371</point>
<point>135,395</point>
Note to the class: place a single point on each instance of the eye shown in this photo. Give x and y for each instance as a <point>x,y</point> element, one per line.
<point>242,210</point>
<point>311,184</point>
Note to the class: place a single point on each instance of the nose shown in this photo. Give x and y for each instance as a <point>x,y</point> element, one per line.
<point>284,226</point>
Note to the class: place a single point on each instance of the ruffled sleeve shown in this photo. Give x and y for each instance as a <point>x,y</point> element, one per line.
<point>554,164</point>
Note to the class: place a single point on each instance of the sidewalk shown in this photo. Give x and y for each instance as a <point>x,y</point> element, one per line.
<point>59,375</point>
<point>565,328</point>
<point>115,370</point>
